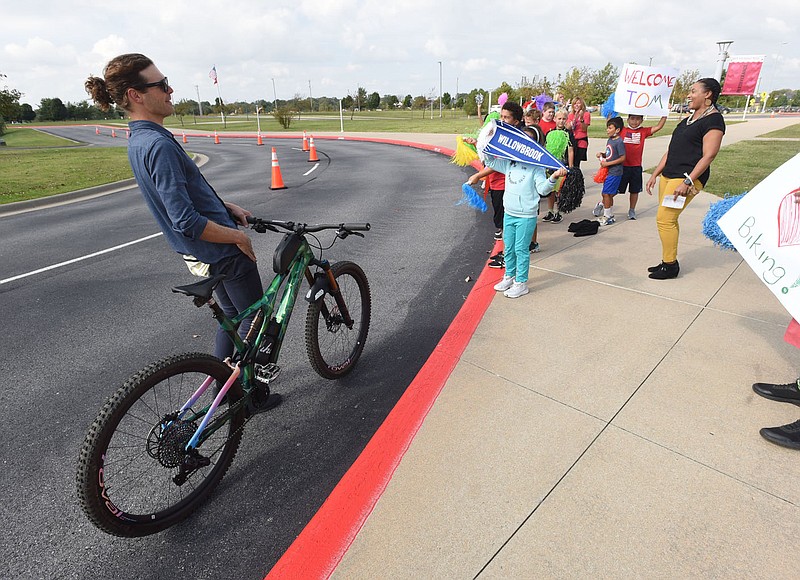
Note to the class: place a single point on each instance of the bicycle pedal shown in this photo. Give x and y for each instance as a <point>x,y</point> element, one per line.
<point>267,373</point>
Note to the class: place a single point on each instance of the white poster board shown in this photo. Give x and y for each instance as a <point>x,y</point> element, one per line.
<point>764,227</point>
<point>644,90</point>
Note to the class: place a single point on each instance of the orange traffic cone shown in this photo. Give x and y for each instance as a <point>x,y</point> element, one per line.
<point>312,153</point>
<point>113,133</point>
<point>305,141</point>
<point>216,138</point>
<point>185,140</point>
<point>277,179</point>
<point>259,141</point>
<point>97,130</point>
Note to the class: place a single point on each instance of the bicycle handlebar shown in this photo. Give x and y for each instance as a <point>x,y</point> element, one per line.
<point>261,225</point>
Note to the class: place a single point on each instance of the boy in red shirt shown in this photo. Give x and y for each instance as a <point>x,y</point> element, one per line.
<point>548,123</point>
<point>633,137</point>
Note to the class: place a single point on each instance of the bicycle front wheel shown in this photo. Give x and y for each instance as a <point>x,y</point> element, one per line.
<point>135,448</point>
<point>332,347</point>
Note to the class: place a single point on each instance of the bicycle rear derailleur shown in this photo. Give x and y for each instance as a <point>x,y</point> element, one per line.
<point>192,461</point>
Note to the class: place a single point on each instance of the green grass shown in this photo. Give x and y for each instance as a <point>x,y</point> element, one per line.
<point>28,137</point>
<point>790,132</point>
<point>31,174</point>
<point>741,166</point>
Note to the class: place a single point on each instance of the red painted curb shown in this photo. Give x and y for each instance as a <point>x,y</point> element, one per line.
<point>319,548</point>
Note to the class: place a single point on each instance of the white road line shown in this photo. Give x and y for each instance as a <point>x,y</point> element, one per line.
<point>312,169</point>
<point>101,252</point>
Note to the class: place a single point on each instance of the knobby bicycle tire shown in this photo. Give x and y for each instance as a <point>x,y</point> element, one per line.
<point>332,348</point>
<point>130,455</point>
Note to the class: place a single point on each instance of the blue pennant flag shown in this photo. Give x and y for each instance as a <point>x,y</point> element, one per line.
<point>507,142</point>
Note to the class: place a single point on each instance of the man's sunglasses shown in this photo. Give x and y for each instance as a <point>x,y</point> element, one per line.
<point>163,83</point>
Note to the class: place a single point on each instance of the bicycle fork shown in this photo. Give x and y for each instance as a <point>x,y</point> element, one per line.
<point>325,282</point>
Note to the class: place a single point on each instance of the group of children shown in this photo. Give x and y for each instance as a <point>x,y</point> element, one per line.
<point>516,188</point>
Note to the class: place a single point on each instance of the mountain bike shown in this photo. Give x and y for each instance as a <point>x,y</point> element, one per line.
<point>164,440</point>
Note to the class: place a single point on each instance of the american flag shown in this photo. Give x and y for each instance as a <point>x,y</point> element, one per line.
<point>213,74</point>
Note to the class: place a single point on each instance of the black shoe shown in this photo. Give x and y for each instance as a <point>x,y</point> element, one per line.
<point>549,217</point>
<point>498,235</point>
<point>557,218</point>
<point>497,263</point>
<point>497,256</point>
<point>665,271</point>
<point>785,435</point>
<point>788,393</point>
<point>273,400</point>
<point>654,268</point>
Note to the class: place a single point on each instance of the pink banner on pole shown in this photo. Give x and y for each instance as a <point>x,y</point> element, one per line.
<point>742,76</point>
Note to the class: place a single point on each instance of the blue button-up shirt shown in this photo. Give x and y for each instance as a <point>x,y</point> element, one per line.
<point>177,194</point>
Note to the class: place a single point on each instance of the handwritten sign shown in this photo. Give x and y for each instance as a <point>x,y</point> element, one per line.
<point>644,90</point>
<point>764,227</point>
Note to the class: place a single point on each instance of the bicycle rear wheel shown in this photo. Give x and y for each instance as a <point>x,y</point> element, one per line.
<point>135,447</point>
<point>332,347</point>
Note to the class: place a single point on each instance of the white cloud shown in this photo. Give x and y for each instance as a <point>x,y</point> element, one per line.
<point>385,47</point>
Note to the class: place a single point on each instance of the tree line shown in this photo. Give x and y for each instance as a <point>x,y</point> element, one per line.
<point>593,85</point>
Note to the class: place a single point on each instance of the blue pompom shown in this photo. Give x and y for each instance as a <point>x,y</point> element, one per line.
<point>471,197</point>
<point>607,108</point>
<point>718,209</point>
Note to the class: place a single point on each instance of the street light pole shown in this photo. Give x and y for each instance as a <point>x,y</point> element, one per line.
<point>199,104</point>
<point>440,89</point>
<point>723,55</point>
<point>275,93</point>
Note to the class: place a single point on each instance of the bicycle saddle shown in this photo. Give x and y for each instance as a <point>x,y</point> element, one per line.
<point>202,289</point>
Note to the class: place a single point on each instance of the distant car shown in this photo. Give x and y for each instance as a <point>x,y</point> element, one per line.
<point>680,108</point>
<point>723,109</point>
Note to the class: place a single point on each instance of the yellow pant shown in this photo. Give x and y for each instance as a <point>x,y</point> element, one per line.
<point>667,217</point>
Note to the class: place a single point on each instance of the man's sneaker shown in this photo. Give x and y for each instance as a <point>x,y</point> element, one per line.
<point>549,217</point>
<point>598,210</point>
<point>498,235</point>
<point>788,393</point>
<point>497,263</point>
<point>557,218</point>
<point>607,221</point>
<point>534,248</point>
<point>504,284</point>
<point>631,214</point>
<point>516,290</point>
<point>785,435</point>
<point>498,255</point>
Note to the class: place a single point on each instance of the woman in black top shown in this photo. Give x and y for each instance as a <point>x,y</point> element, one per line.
<point>685,168</point>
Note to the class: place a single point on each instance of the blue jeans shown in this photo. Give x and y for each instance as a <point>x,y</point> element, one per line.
<point>240,288</point>
<point>517,235</point>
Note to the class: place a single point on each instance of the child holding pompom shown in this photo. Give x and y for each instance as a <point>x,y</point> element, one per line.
<point>560,142</point>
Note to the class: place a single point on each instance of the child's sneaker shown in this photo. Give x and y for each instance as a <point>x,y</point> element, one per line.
<point>497,255</point>
<point>535,249</point>
<point>607,221</point>
<point>557,218</point>
<point>631,214</point>
<point>516,290</point>
<point>498,235</point>
<point>598,210</point>
<point>504,284</point>
<point>549,217</point>
<point>497,263</point>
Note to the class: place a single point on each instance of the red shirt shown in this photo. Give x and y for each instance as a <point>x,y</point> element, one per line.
<point>634,144</point>
<point>547,126</point>
<point>496,181</point>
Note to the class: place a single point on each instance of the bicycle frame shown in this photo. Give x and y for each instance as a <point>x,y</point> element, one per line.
<point>245,351</point>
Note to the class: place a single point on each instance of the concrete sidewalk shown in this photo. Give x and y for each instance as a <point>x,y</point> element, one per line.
<point>604,426</point>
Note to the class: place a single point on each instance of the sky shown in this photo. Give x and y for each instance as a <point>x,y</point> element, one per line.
<point>269,48</point>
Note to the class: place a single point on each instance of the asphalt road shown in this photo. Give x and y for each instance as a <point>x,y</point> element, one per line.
<point>71,335</point>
